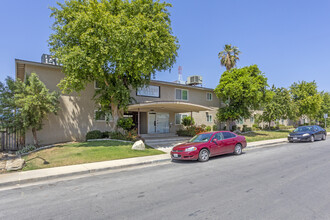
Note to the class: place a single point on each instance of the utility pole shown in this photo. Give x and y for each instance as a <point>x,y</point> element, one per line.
<point>325,120</point>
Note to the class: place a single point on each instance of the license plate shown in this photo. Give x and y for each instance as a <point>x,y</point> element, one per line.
<point>295,138</point>
<point>175,155</point>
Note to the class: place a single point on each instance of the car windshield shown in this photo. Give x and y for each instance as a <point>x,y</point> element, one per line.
<point>201,138</point>
<point>303,129</point>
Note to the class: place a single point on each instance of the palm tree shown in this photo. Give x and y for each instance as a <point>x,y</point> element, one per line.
<point>229,56</point>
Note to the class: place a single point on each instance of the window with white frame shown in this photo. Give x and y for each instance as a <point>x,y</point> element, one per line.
<point>102,116</point>
<point>97,85</point>
<point>209,96</point>
<point>181,94</point>
<point>208,117</point>
<point>179,117</point>
<point>241,121</point>
<point>251,119</point>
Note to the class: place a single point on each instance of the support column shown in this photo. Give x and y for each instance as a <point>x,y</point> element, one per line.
<point>138,121</point>
<point>191,116</point>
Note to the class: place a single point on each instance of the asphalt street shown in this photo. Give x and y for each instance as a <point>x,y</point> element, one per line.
<point>289,181</point>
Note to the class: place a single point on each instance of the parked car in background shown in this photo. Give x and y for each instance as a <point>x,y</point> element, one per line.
<point>205,145</point>
<point>307,133</point>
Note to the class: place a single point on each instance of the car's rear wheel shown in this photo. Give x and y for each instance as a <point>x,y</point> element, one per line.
<point>204,155</point>
<point>324,137</point>
<point>312,138</point>
<point>238,149</point>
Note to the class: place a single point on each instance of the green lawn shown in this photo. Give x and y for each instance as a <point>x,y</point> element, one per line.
<point>86,152</point>
<point>328,129</point>
<point>265,135</point>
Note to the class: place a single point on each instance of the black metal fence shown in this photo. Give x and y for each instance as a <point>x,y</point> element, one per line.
<point>11,140</point>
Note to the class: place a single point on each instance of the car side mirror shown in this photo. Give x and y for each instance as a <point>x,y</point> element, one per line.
<point>215,141</point>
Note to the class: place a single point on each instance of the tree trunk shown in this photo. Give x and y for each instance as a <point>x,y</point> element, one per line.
<point>35,139</point>
<point>116,114</point>
<point>269,125</point>
<point>228,125</point>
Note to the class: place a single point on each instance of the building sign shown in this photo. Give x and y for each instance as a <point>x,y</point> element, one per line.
<point>149,91</point>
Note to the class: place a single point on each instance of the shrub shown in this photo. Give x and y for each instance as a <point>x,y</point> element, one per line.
<point>105,134</point>
<point>190,131</point>
<point>208,128</point>
<point>125,123</point>
<point>95,134</point>
<point>188,121</point>
<point>26,149</point>
<point>117,135</point>
<point>215,127</point>
<point>248,129</point>
<point>127,136</point>
<point>234,128</point>
<point>283,127</point>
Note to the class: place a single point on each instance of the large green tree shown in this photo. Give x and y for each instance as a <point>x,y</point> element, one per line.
<point>34,102</point>
<point>241,90</point>
<point>24,105</point>
<point>229,56</point>
<point>279,106</point>
<point>307,99</point>
<point>118,43</point>
<point>325,108</point>
<point>10,117</point>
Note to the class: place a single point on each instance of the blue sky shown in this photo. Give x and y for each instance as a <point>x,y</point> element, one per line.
<point>289,40</point>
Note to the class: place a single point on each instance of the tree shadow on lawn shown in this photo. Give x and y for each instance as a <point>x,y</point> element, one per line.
<point>38,157</point>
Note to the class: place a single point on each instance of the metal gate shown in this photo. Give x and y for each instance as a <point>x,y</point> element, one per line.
<point>11,140</point>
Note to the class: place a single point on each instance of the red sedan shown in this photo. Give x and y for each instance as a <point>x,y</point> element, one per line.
<point>205,145</point>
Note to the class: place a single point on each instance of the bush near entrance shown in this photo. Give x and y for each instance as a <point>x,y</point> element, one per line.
<point>191,131</point>
<point>127,136</point>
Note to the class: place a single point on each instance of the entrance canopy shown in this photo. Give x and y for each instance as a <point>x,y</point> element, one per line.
<point>177,107</point>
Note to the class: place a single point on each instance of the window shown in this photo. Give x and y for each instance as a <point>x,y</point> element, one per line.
<point>240,121</point>
<point>217,136</point>
<point>208,117</point>
<point>102,116</point>
<point>251,119</point>
<point>227,135</point>
<point>179,117</point>
<point>209,96</point>
<point>181,94</point>
<point>97,85</point>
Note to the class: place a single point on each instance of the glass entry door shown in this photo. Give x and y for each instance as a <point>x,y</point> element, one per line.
<point>158,123</point>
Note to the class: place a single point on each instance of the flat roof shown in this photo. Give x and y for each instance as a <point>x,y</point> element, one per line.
<point>155,81</point>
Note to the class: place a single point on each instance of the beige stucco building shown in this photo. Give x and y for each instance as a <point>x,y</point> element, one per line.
<point>159,108</point>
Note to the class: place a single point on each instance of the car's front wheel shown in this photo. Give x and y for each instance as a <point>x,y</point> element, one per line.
<point>204,155</point>
<point>312,138</point>
<point>238,149</point>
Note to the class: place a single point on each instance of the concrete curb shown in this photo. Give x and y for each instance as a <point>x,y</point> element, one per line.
<point>75,170</point>
<point>254,145</point>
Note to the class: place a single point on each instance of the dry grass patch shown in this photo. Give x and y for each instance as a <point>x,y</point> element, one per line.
<point>265,135</point>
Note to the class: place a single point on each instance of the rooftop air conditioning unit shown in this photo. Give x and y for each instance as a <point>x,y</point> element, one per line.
<point>194,80</point>
<point>48,59</point>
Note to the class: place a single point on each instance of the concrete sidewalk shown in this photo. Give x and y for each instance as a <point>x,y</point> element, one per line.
<point>12,179</point>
